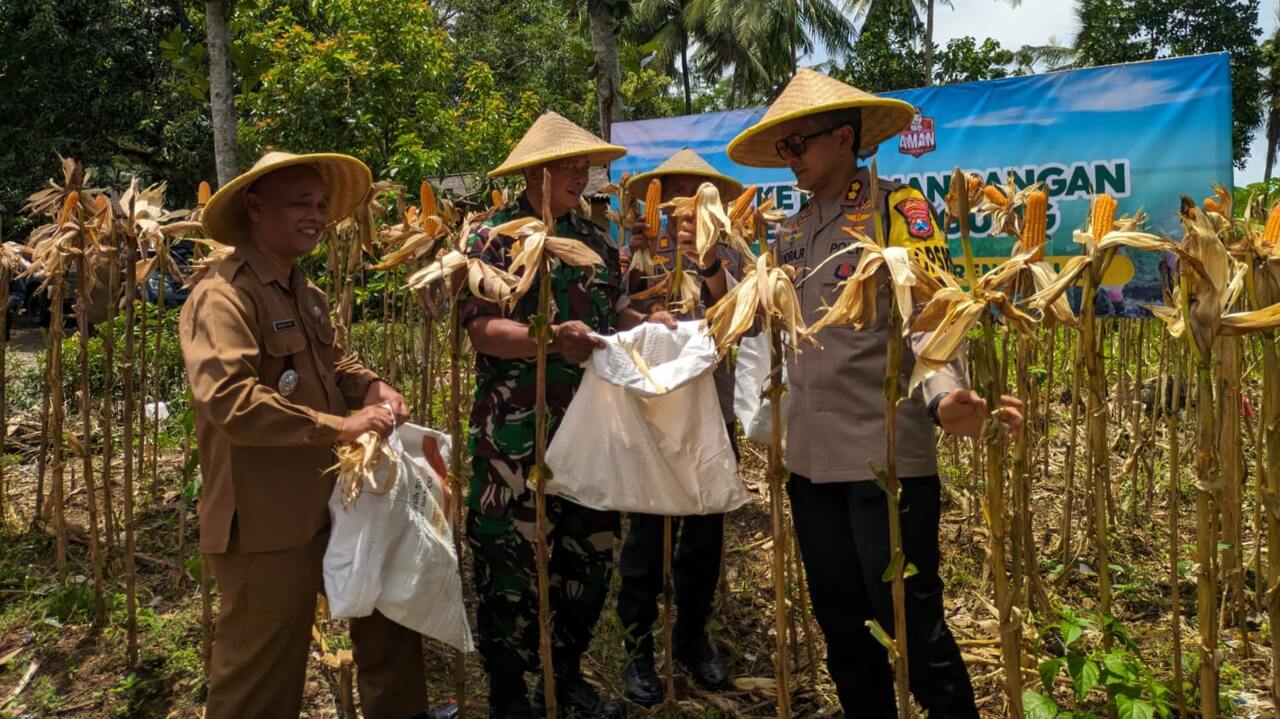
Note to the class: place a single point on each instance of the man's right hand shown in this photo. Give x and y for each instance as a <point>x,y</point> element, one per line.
<point>574,342</point>
<point>640,239</point>
<point>374,418</point>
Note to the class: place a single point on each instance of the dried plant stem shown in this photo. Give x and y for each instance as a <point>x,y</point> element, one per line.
<point>86,428</point>
<point>782,672</point>
<point>542,337</point>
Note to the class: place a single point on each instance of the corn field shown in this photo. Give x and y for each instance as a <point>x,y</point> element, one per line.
<point>1121,556</point>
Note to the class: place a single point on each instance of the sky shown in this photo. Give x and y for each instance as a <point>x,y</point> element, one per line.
<point>1040,22</point>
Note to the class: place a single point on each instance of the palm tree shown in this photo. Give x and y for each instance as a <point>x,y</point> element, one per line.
<point>1271,58</point>
<point>664,22</point>
<point>864,9</point>
<point>760,42</point>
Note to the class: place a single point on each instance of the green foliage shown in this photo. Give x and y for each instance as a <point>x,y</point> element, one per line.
<point>1130,686</point>
<point>88,79</point>
<point>362,76</point>
<point>964,60</point>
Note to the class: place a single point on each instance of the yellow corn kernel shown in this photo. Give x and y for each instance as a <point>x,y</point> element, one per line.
<point>1037,218</point>
<point>652,199</point>
<point>741,208</point>
<point>972,184</point>
<point>1103,216</point>
<point>995,196</point>
<point>1271,234</point>
<point>203,193</point>
<point>427,196</point>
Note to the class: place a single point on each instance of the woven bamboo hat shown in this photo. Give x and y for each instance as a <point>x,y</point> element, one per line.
<point>686,162</point>
<point>552,137</point>
<point>226,220</point>
<point>810,93</point>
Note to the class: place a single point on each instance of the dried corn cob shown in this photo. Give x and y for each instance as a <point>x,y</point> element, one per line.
<point>740,211</point>
<point>1271,233</point>
<point>203,193</point>
<point>69,204</point>
<point>495,197</point>
<point>994,195</point>
<point>1103,216</point>
<point>1211,205</point>
<point>427,196</point>
<point>1036,222</point>
<point>652,199</point>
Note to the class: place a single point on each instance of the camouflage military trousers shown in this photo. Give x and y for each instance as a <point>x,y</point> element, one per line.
<point>501,536</point>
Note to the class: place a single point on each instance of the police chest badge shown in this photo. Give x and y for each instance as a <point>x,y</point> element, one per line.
<point>919,219</point>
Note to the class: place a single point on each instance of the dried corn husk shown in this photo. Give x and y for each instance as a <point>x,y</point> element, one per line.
<point>768,294</point>
<point>358,464</point>
<point>856,303</point>
<point>975,189</point>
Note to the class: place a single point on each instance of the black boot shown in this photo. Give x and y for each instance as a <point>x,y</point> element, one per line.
<point>574,696</point>
<point>508,696</point>
<point>641,680</point>
<point>701,661</point>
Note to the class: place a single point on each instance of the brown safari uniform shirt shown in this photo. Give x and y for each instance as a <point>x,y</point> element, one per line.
<point>836,417</point>
<point>263,455</point>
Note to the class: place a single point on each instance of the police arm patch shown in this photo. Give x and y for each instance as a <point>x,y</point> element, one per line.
<point>916,213</point>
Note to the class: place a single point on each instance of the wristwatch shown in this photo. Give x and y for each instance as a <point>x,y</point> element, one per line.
<point>711,270</point>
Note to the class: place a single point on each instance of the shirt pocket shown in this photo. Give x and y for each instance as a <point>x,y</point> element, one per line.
<point>280,347</point>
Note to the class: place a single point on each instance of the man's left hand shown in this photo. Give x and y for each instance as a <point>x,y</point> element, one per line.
<point>962,413</point>
<point>662,317</point>
<point>382,393</point>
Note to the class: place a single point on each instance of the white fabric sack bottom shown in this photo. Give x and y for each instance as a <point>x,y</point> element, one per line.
<point>652,442</point>
<point>394,552</point>
<point>753,410</point>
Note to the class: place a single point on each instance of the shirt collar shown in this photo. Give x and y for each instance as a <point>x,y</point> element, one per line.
<point>263,267</point>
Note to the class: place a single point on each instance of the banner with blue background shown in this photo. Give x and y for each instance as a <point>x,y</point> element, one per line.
<point>1145,132</point>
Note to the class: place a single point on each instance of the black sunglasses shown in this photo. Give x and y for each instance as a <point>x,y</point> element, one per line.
<point>795,145</point>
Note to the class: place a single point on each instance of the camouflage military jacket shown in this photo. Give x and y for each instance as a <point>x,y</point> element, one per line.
<point>502,418</point>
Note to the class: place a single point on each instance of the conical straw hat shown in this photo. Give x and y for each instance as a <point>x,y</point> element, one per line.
<point>551,137</point>
<point>347,179</point>
<point>686,162</point>
<point>810,93</point>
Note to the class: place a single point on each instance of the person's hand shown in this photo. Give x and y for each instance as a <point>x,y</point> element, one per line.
<point>962,413</point>
<point>640,239</point>
<point>687,241</point>
<point>382,393</point>
<point>662,317</point>
<point>574,342</point>
<point>373,418</point>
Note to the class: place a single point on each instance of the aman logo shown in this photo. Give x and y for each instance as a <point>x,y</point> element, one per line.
<point>919,137</point>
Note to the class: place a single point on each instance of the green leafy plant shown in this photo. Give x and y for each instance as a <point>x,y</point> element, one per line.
<point>1097,654</point>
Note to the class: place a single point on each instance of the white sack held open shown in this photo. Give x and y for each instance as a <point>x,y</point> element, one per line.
<point>644,432</point>
<point>391,549</point>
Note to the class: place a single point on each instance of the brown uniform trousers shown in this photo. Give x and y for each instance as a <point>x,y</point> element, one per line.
<point>263,509</point>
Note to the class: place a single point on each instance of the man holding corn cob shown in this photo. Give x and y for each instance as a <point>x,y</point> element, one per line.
<point>502,518</point>
<point>836,417</point>
<point>272,390</point>
<point>698,546</point>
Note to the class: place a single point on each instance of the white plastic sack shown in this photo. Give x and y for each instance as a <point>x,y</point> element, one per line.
<point>393,551</point>
<point>755,412</point>
<point>644,432</point>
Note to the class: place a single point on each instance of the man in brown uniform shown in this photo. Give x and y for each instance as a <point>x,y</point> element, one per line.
<point>272,390</point>
<point>836,417</point>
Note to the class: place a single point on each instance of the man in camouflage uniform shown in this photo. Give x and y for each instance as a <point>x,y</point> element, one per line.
<point>501,519</point>
<point>697,541</point>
